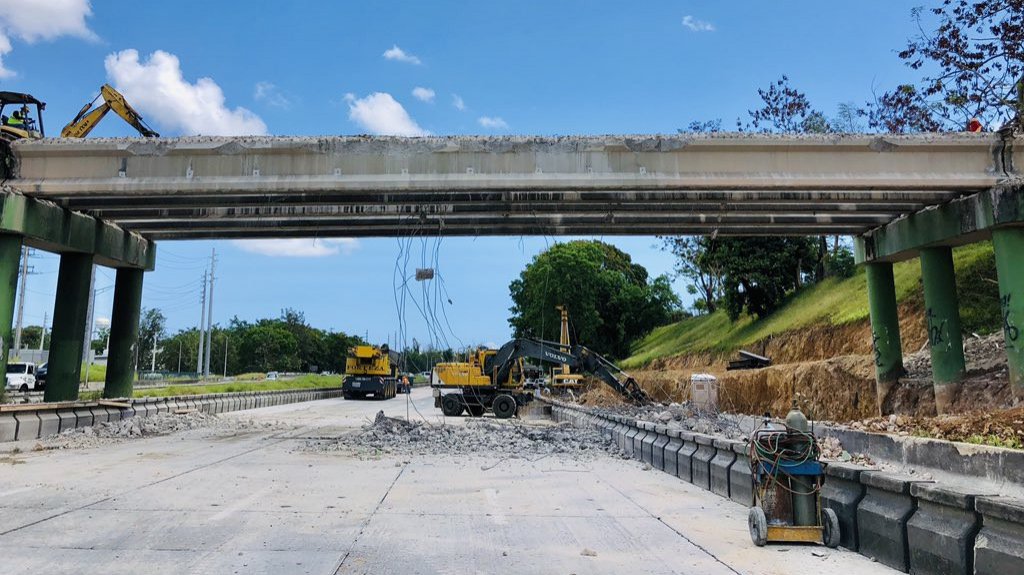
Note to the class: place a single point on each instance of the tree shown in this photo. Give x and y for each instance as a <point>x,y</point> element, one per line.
<point>697,261</point>
<point>758,273</point>
<point>787,110</point>
<point>975,60</point>
<point>30,335</point>
<point>610,300</point>
<point>151,331</point>
<point>269,347</point>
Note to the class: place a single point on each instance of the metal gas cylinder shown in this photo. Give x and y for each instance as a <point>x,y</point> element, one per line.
<point>805,503</point>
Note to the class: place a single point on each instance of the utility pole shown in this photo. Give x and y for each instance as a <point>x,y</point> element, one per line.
<point>21,300</point>
<point>87,348</point>
<point>225,356</point>
<point>152,367</point>
<point>42,337</point>
<point>202,326</point>
<point>209,314</point>
<point>179,356</point>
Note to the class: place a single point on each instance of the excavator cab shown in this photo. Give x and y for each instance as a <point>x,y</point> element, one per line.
<point>16,118</point>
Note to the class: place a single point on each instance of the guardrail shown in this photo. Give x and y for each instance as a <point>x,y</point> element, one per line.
<point>28,421</point>
<point>913,525</point>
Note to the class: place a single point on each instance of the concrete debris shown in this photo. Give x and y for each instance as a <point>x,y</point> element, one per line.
<point>832,450</point>
<point>684,416</point>
<point>984,354</point>
<point>138,427</point>
<point>484,436</point>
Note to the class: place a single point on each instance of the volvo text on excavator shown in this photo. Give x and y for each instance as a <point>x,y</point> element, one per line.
<point>90,115</point>
<point>489,380</point>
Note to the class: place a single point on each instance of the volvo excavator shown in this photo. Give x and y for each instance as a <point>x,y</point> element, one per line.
<point>489,380</point>
<point>91,114</point>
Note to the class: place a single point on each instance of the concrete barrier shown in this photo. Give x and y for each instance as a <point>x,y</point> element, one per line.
<point>67,419</point>
<point>882,518</point>
<point>675,443</point>
<point>701,461</point>
<point>999,546</point>
<point>721,463</point>
<point>684,459</point>
<point>941,533</point>
<point>630,440</point>
<point>639,438</point>
<point>842,493</point>
<point>49,423</point>
<point>28,424</point>
<point>741,479</point>
<point>658,449</point>
<point>8,427</point>
<point>647,445</point>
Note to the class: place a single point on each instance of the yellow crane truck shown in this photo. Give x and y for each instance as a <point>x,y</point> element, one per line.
<point>369,371</point>
<point>490,380</point>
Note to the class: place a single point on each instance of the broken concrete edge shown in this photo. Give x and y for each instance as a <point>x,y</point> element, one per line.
<point>905,522</point>
<point>42,422</point>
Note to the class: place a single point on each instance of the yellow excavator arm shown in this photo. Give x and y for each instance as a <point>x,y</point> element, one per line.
<point>89,116</point>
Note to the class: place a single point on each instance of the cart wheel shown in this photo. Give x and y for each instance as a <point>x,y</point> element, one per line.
<point>758,525</point>
<point>830,528</point>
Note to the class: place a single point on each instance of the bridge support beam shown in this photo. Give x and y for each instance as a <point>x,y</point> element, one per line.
<point>68,335</point>
<point>1009,245</point>
<point>885,329</point>
<point>10,259</point>
<point>124,333</point>
<point>942,314</point>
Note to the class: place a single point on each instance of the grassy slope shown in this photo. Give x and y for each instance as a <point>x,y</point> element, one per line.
<point>833,302</point>
<point>302,382</point>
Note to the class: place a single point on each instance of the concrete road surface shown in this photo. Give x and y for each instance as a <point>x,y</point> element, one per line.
<point>256,502</point>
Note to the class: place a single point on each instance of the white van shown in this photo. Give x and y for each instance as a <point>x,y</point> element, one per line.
<point>21,376</point>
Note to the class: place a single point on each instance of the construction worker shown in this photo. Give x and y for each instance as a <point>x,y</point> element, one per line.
<point>16,120</point>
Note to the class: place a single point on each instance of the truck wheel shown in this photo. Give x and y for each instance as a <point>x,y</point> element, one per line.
<point>346,395</point>
<point>504,406</point>
<point>451,405</point>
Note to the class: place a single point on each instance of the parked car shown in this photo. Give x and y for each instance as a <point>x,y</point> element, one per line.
<point>41,375</point>
<point>21,376</point>
<point>272,375</point>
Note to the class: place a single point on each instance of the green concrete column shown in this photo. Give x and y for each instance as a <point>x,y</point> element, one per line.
<point>124,333</point>
<point>942,314</point>
<point>10,259</point>
<point>885,329</point>
<point>1009,246</point>
<point>68,335</point>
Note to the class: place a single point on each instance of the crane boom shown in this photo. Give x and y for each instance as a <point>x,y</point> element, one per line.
<point>89,116</point>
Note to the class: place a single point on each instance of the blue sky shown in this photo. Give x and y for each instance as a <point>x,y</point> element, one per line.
<point>327,67</point>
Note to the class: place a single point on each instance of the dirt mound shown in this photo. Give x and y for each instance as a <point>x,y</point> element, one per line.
<point>1001,428</point>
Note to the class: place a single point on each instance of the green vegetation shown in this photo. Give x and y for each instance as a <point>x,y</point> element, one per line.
<point>831,302</point>
<point>302,382</point>
<point>95,372</point>
<point>611,300</point>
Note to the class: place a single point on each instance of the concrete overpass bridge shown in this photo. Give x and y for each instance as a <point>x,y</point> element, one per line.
<point>107,201</point>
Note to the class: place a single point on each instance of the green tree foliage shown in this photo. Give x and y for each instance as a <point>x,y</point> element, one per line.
<point>758,273</point>
<point>972,56</point>
<point>611,302</point>
<point>269,347</point>
<point>697,261</point>
<point>152,331</point>
<point>30,335</point>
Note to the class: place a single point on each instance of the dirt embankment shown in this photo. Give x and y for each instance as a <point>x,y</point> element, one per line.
<point>831,370</point>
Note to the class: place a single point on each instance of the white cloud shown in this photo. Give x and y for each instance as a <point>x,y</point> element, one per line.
<point>696,25</point>
<point>382,115</point>
<point>35,20</point>
<point>457,101</point>
<point>400,55</point>
<point>423,94</point>
<point>271,95</point>
<point>299,247</point>
<point>158,90</point>
<point>492,123</point>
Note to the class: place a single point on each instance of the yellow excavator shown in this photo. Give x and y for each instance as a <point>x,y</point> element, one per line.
<point>19,124</point>
<point>90,115</point>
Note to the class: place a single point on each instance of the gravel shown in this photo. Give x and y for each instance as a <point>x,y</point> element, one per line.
<point>156,425</point>
<point>484,436</point>
<point>681,416</point>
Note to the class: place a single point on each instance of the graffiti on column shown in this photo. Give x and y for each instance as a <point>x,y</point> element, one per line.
<point>935,328</point>
<point>1011,331</point>
<point>875,338</point>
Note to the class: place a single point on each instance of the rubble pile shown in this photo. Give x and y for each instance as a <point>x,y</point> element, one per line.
<point>484,436</point>
<point>984,354</point>
<point>154,425</point>
<point>684,416</point>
